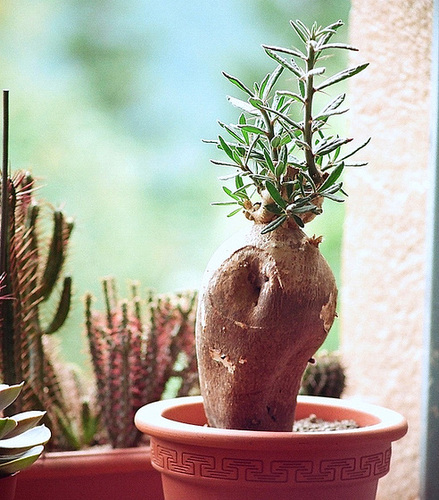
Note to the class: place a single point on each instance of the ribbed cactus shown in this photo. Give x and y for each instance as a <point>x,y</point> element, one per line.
<point>22,440</point>
<point>137,346</point>
<point>324,377</point>
<point>32,260</point>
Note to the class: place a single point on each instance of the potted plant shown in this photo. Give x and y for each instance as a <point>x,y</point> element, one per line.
<point>267,302</point>
<point>22,440</point>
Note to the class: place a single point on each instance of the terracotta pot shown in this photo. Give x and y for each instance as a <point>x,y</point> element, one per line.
<point>7,487</point>
<point>203,463</point>
<point>122,474</point>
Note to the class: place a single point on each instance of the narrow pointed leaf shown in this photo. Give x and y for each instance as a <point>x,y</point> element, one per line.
<point>343,75</point>
<point>292,51</point>
<point>231,214</point>
<point>274,224</point>
<point>225,147</point>
<point>253,129</point>
<point>337,46</point>
<point>238,83</point>
<point>274,77</point>
<point>356,150</point>
<point>332,106</point>
<point>291,66</point>
<point>289,120</point>
<point>301,30</point>
<point>298,220</point>
<point>332,178</point>
<point>274,193</point>
<point>245,106</point>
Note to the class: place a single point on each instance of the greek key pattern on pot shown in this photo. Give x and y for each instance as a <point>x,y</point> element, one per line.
<point>271,471</point>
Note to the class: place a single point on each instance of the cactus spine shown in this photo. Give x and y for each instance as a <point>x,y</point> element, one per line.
<point>137,346</point>
<point>324,377</point>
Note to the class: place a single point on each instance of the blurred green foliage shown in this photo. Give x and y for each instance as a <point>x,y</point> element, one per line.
<point>109,102</point>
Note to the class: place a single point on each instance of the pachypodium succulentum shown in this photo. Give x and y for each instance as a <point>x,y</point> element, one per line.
<point>32,264</point>
<point>22,440</point>
<point>268,297</point>
<point>282,147</point>
<point>325,376</point>
<point>137,346</point>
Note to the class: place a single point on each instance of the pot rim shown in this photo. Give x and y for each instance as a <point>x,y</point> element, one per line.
<point>160,420</point>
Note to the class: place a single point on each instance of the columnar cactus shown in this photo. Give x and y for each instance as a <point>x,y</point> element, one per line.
<point>324,377</point>
<point>137,347</point>
<point>31,266</point>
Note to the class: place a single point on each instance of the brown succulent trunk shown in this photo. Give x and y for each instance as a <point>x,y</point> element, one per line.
<point>266,305</point>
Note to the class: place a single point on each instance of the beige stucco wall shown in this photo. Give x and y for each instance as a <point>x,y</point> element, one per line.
<point>383,288</point>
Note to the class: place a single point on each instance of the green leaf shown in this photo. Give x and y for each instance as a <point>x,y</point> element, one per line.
<point>22,462</point>
<point>230,193</point>
<point>231,214</point>
<point>263,85</point>
<point>332,178</point>
<point>6,426</point>
<point>280,169</point>
<point>275,194</point>
<point>245,106</point>
<point>291,66</point>
<point>8,394</point>
<point>284,117</point>
<point>274,224</point>
<point>356,150</point>
<point>313,72</point>
<point>292,52</point>
<point>25,420</point>
<point>301,30</point>
<point>274,77</point>
<point>268,160</point>
<point>256,102</point>
<point>327,147</point>
<point>337,46</point>
<point>26,440</point>
<point>253,129</point>
<point>238,83</point>
<point>293,95</point>
<point>276,141</point>
<point>231,132</point>
<point>333,197</point>
<point>342,75</point>
<point>298,220</point>
<point>331,107</point>
<point>225,147</point>
<point>223,163</point>
<point>225,203</point>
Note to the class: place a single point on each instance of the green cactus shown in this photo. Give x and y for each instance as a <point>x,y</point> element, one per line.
<point>137,347</point>
<point>21,439</point>
<point>31,265</point>
<point>324,377</point>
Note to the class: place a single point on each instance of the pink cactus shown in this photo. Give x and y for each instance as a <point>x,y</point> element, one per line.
<point>137,347</point>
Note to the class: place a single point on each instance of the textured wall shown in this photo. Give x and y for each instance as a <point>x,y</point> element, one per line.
<point>385,231</point>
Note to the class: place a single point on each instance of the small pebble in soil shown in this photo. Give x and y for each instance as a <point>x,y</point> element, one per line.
<point>314,424</point>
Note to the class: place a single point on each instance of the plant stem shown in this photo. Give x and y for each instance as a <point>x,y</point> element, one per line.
<point>307,133</point>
